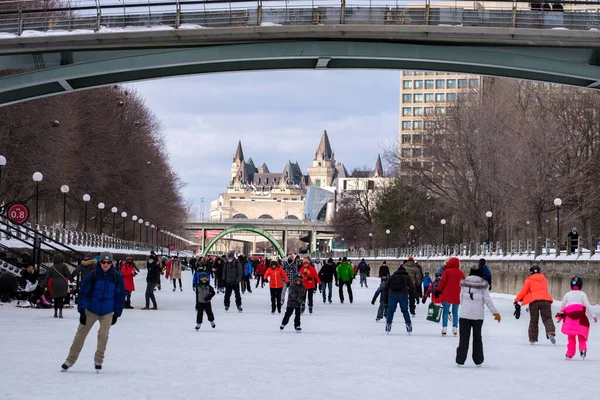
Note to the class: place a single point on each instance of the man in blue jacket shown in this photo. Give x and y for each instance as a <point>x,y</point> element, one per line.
<point>101,298</point>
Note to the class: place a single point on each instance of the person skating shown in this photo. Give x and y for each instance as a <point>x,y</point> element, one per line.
<point>426,283</point>
<point>176,273</point>
<point>87,265</point>
<point>535,293</point>
<point>310,279</point>
<point>575,314</point>
<point>397,291</point>
<point>382,310</point>
<point>384,270</point>
<point>473,296</point>
<point>345,276</point>
<point>204,294</point>
<point>101,298</point>
<point>247,267</point>
<point>261,269</point>
<point>327,276</point>
<point>363,270</point>
<point>277,278</point>
<point>152,278</point>
<point>487,274</point>
<point>414,273</point>
<point>59,286</point>
<point>573,240</point>
<point>128,272</point>
<point>295,301</point>
<point>291,269</point>
<point>431,290</point>
<point>449,291</point>
<point>233,273</point>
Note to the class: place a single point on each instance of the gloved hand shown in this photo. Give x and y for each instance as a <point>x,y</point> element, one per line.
<point>490,288</point>
<point>437,293</point>
<point>424,300</point>
<point>266,281</point>
<point>373,302</point>
<point>114,319</point>
<point>287,284</point>
<point>517,312</point>
<point>82,318</point>
<point>595,319</point>
<point>559,317</point>
<point>497,317</point>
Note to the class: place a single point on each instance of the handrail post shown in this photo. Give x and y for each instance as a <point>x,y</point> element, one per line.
<point>20,28</point>
<point>427,6</point>
<point>513,21</point>
<point>343,11</point>
<point>178,15</point>
<point>99,15</point>
<point>259,13</point>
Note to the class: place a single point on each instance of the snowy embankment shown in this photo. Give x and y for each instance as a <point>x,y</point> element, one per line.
<point>341,354</point>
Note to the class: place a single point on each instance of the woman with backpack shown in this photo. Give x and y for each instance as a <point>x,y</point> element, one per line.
<point>59,283</point>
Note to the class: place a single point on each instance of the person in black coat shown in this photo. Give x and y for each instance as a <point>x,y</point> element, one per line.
<point>384,270</point>
<point>154,270</point>
<point>573,240</point>
<point>397,291</point>
<point>327,275</point>
<point>296,295</point>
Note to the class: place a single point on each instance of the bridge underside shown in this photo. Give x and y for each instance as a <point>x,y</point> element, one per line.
<point>66,70</point>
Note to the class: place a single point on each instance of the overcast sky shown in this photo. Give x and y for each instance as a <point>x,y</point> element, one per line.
<point>278,115</point>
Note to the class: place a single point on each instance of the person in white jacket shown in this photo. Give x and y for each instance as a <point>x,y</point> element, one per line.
<point>474,295</point>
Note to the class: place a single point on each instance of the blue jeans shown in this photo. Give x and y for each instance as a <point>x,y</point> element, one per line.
<point>446,309</point>
<point>326,285</point>
<point>393,301</point>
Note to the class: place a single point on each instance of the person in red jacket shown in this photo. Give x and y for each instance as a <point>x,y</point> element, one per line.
<point>449,292</point>
<point>310,279</point>
<point>128,272</point>
<point>276,276</point>
<point>261,269</point>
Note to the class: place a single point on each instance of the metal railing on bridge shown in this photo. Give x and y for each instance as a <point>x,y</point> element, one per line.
<point>21,17</point>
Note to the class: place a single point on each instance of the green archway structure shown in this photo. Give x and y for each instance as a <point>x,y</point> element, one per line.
<point>245,228</point>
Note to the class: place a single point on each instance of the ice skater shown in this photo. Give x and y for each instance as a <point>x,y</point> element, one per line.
<point>397,290</point>
<point>382,310</point>
<point>295,300</point>
<point>276,278</point>
<point>204,294</point>
<point>575,313</point>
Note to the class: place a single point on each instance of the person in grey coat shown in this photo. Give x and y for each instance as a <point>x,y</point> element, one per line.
<point>233,273</point>
<point>87,265</point>
<point>59,288</point>
<point>204,294</point>
<point>294,303</point>
<point>474,295</point>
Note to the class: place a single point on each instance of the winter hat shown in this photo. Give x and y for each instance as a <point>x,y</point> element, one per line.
<point>482,261</point>
<point>410,258</point>
<point>453,262</point>
<point>203,275</point>
<point>298,277</point>
<point>476,271</point>
<point>384,263</point>
<point>231,254</point>
<point>426,273</point>
<point>576,283</point>
<point>344,259</point>
<point>106,255</point>
<point>535,269</point>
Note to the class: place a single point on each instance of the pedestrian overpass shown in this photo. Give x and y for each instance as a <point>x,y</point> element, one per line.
<point>91,43</point>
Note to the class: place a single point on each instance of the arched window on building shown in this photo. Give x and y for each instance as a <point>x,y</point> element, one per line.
<point>291,217</point>
<point>265,216</point>
<point>239,216</point>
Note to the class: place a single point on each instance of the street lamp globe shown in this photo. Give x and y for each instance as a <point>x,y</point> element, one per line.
<point>557,202</point>
<point>86,197</point>
<point>113,210</point>
<point>2,161</point>
<point>443,222</point>
<point>37,176</point>
<point>101,206</point>
<point>152,226</point>
<point>140,221</point>
<point>124,214</point>
<point>64,189</point>
<point>412,227</point>
<point>147,223</point>
<point>370,235</point>
<point>387,231</point>
<point>134,218</point>
<point>488,214</point>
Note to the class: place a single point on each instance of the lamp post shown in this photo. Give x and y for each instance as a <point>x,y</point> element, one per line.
<point>387,238</point>
<point>123,215</point>
<point>152,237</point>
<point>489,214</point>
<point>557,203</point>
<point>86,199</point>
<point>147,225</point>
<point>202,213</point>
<point>101,207</point>
<point>134,218</point>
<point>114,212</point>
<point>412,236</point>
<point>443,222</point>
<point>2,164</point>
<point>140,221</point>
<point>37,178</point>
<point>64,189</point>
<point>370,241</point>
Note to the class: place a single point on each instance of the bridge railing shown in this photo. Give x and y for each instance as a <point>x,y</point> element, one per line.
<point>19,17</point>
<point>245,221</point>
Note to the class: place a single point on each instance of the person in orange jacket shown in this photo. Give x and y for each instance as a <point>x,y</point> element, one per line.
<point>535,293</point>
<point>276,276</point>
<point>310,279</point>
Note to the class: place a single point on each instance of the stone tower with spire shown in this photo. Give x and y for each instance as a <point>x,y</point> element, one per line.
<point>237,165</point>
<point>322,172</point>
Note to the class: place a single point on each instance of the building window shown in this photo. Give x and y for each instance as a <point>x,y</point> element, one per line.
<point>319,163</point>
<point>418,111</point>
<point>370,185</point>
<point>429,110</point>
<point>406,111</point>
<point>407,84</point>
<point>441,97</point>
<point>345,185</point>
<point>429,84</point>
<point>462,83</point>
<point>417,152</point>
<point>473,82</point>
<point>418,98</point>
<point>406,125</point>
<point>451,97</point>
<point>405,140</point>
<point>318,183</point>
<point>440,111</point>
<point>419,84</point>
<point>418,139</point>
<point>440,83</point>
<point>428,97</point>
<point>418,72</point>
<point>407,98</point>
<point>407,72</point>
<point>429,73</point>
<point>451,83</point>
<point>417,125</point>
<point>406,152</point>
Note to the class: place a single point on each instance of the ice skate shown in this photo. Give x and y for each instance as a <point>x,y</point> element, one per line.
<point>310,310</point>
<point>454,331</point>
<point>532,343</point>
<point>298,329</point>
<point>388,328</point>
<point>552,338</point>
<point>281,327</point>
<point>583,353</point>
<point>478,365</point>
<point>377,319</point>
<point>65,367</point>
<point>409,328</point>
<point>226,308</point>
<point>98,368</point>
<point>212,323</point>
<point>240,309</point>
<point>198,326</point>
<point>444,331</point>
<point>173,289</point>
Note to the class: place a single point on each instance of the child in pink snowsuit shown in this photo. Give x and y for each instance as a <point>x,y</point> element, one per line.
<point>576,312</point>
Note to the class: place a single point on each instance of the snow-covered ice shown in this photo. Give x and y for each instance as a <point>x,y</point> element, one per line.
<point>342,353</point>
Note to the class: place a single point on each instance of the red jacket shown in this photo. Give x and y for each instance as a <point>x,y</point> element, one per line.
<point>276,276</point>
<point>310,277</point>
<point>128,273</point>
<point>450,284</point>
<point>261,268</point>
<point>168,269</point>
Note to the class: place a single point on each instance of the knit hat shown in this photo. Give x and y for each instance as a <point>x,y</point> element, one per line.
<point>203,275</point>
<point>453,262</point>
<point>410,258</point>
<point>476,271</point>
<point>231,254</point>
<point>298,277</point>
<point>106,255</point>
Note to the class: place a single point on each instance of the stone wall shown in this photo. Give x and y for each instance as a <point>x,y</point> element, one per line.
<point>508,276</point>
